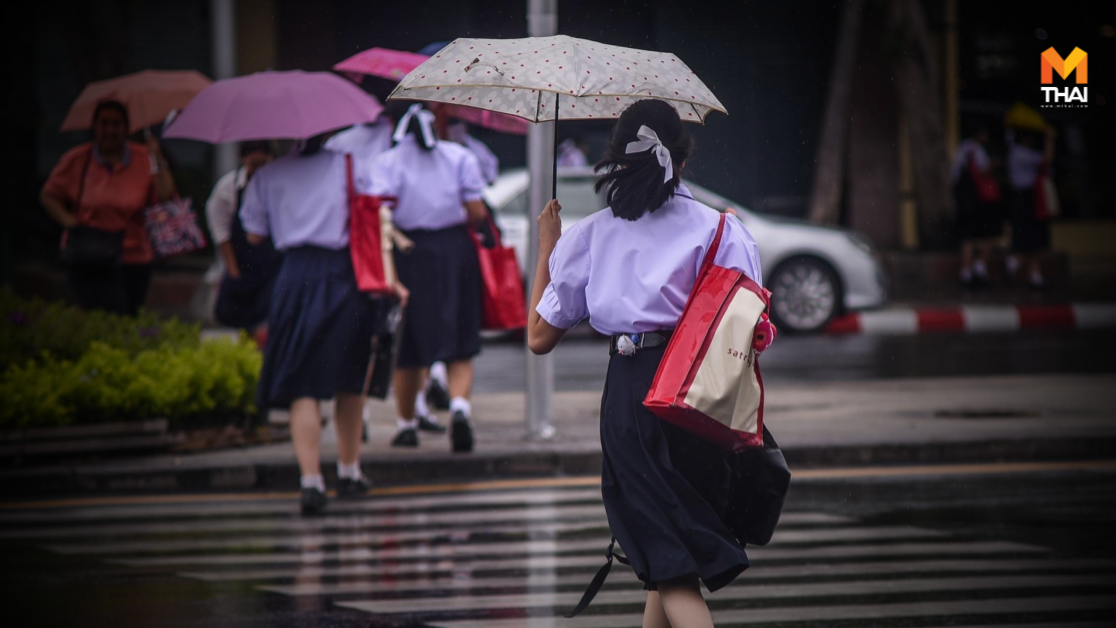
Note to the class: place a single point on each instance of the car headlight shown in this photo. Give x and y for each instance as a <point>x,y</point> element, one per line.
<point>860,242</point>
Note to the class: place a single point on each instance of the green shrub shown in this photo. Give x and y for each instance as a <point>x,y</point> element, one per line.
<point>64,366</point>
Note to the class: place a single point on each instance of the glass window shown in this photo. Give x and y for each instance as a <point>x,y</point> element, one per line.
<point>577,196</point>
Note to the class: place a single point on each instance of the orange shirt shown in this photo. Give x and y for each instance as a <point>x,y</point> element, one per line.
<point>113,197</point>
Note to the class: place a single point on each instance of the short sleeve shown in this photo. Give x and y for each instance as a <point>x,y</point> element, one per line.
<point>253,212</point>
<point>381,172</point>
<point>738,250</point>
<point>563,302</point>
<point>220,209</point>
<point>470,178</point>
<point>65,178</point>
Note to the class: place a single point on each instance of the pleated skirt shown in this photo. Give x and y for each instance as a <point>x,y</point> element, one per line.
<point>320,329</point>
<point>658,481</point>
<point>442,320</point>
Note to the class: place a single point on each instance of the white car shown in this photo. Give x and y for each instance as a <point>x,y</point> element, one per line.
<point>814,273</point>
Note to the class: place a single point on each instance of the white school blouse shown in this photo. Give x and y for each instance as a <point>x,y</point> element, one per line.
<point>635,276</point>
<point>432,185</point>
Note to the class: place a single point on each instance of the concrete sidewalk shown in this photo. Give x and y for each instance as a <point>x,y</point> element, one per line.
<point>1018,418</point>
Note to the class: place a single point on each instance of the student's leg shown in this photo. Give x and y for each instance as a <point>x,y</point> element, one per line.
<point>460,387</point>
<point>306,434</point>
<point>407,382</point>
<point>350,409</point>
<point>653,614</point>
<point>683,604</point>
<point>460,379</point>
<point>966,260</point>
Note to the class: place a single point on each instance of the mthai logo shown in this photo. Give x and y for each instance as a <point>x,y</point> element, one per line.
<point>1077,61</point>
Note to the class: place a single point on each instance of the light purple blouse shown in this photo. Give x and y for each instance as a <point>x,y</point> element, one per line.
<point>431,185</point>
<point>302,201</point>
<point>364,140</point>
<point>630,277</point>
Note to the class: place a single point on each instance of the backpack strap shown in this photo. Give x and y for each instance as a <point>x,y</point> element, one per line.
<point>598,580</point>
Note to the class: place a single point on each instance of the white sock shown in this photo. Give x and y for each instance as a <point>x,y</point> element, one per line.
<point>313,481</point>
<point>438,373</point>
<point>462,404</point>
<point>406,424</point>
<point>421,409</point>
<point>348,471</point>
<point>980,269</point>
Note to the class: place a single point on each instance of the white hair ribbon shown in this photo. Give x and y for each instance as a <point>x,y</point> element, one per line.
<point>425,118</point>
<point>648,140</point>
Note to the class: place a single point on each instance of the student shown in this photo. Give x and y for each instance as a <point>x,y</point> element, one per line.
<point>320,325</point>
<point>629,269</point>
<point>245,292</point>
<point>979,220</point>
<point>438,184</point>
<point>1030,233</point>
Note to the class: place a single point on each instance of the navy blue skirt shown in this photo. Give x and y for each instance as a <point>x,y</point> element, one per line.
<point>443,316</point>
<point>320,329</point>
<point>658,482</point>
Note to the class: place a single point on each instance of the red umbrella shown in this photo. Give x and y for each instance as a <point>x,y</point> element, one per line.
<point>149,96</point>
<point>395,64</point>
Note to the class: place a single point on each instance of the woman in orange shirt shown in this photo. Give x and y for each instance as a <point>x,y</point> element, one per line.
<point>100,189</point>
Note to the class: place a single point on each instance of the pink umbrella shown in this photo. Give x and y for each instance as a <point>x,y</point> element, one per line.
<point>273,105</point>
<point>149,96</point>
<point>395,64</point>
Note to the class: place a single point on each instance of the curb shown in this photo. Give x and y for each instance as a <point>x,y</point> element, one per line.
<point>976,319</point>
<point>62,480</point>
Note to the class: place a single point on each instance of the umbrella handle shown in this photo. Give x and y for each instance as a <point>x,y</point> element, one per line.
<point>554,173</point>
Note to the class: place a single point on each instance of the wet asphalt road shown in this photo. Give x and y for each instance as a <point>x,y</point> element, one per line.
<point>580,362</point>
<point>951,548</point>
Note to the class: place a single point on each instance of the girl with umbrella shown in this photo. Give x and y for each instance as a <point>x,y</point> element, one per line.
<point>320,326</point>
<point>438,186</point>
<point>629,269</point>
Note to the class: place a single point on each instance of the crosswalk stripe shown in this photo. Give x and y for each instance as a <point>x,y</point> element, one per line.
<point>565,601</point>
<point>752,576</point>
<point>814,613</point>
<point>807,554</point>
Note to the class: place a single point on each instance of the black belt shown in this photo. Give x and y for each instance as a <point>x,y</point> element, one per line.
<point>645,340</point>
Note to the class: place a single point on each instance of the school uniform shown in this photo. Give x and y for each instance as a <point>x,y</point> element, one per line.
<point>657,480</point>
<point>320,325</point>
<point>976,219</point>
<point>1029,233</point>
<point>443,314</point>
<point>363,141</point>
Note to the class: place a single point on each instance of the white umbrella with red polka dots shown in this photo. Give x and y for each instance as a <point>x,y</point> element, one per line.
<point>546,78</point>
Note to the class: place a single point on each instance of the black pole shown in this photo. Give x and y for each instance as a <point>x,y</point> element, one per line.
<point>554,179</point>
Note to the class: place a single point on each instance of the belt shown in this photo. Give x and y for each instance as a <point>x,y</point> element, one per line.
<point>628,344</point>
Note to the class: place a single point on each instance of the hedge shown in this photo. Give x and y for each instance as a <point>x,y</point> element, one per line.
<point>63,366</point>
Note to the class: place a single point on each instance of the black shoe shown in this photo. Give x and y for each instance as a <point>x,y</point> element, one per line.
<point>427,424</point>
<point>461,433</point>
<point>437,397</point>
<point>405,438</point>
<point>348,488</point>
<point>313,502</point>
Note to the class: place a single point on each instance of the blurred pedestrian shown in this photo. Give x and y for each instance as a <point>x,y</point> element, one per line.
<point>571,152</point>
<point>977,196</point>
<point>320,325</point>
<point>245,292</point>
<point>364,141</point>
<point>97,192</point>
<point>438,184</point>
<point>629,269</point>
<point>489,162</point>
<point>1030,231</point>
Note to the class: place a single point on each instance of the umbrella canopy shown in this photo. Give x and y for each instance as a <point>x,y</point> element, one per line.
<point>546,78</point>
<point>395,64</point>
<point>149,96</point>
<point>274,105</point>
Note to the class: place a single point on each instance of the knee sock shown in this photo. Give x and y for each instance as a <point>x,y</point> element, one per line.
<point>313,481</point>
<point>348,471</point>
<point>462,404</point>
<point>421,409</point>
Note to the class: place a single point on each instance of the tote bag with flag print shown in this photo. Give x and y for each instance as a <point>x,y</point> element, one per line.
<point>173,228</point>
<point>709,382</point>
<point>370,242</point>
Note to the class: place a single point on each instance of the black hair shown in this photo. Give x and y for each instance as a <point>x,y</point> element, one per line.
<point>313,145</point>
<point>113,105</point>
<point>255,146</point>
<point>635,181</point>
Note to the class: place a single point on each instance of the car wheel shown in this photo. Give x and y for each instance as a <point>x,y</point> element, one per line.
<point>805,295</point>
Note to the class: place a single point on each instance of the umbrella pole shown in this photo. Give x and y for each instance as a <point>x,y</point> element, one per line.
<point>554,172</point>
